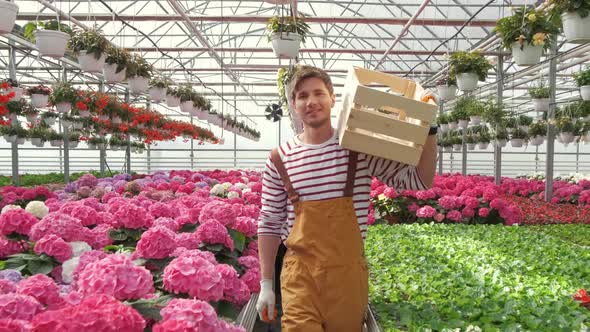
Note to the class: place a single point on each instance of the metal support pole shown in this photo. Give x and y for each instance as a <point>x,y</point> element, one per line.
<point>192,155</point>
<point>499,101</point>
<point>440,152</point>
<point>235,135</point>
<point>128,150</point>
<point>550,126</point>
<point>149,159</point>
<point>102,153</point>
<point>464,153</point>
<point>452,162</point>
<point>64,74</point>
<point>577,157</point>
<point>13,145</point>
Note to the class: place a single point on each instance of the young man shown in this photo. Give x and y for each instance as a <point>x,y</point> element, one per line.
<point>315,197</point>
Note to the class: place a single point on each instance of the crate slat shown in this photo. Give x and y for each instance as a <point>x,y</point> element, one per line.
<point>388,125</point>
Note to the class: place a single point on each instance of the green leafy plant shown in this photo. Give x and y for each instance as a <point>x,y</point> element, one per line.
<point>11,83</point>
<point>540,91</point>
<point>524,120</point>
<point>49,115</point>
<point>92,41</point>
<point>55,136</point>
<point>185,93</point>
<point>63,92</point>
<point>538,129</point>
<point>160,82</point>
<point>443,119</point>
<point>469,62</point>
<point>470,139</point>
<point>74,136</point>
<point>139,67</point>
<point>284,78</point>
<point>447,81</point>
<point>578,109</point>
<point>583,78</point>
<point>527,26</point>
<point>475,108</point>
<point>500,133</point>
<point>558,7</point>
<point>53,25</point>
<point>117,56</point>
<point>16,106</point>
<point>172,91</point>
<point>483,137</point>
<point>463,107</point>
<point>565,125</point>
<point>519,134</point>
<point>493,113</point>
<point>39,90</point>
<point>287,24</point>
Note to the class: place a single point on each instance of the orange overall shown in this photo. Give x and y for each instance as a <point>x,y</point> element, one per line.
<point>324,280</point>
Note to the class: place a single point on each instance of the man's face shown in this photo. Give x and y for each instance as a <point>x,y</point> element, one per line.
<point>313,102</point>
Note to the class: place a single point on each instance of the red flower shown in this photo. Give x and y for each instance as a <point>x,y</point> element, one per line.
<point>582,297</point>
<point>81,106</point>
<point>5,85</point>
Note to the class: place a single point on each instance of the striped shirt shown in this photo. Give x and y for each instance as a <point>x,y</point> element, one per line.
<point>318,172</point>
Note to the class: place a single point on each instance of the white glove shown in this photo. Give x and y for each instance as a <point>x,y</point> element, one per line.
<point>427,92</point>
<point>266,299</point>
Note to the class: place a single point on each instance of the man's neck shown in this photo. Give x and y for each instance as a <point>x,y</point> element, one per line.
<point>317,135</point>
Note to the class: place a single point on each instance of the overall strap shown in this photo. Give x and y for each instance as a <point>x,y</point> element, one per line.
<point>280,166</point>
<point>351,175</point>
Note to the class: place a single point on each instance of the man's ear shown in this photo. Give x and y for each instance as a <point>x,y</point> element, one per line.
<point>333,96</point>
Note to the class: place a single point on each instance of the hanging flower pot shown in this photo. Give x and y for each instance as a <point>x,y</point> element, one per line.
<point>10,138</point>
<point>444,127</point>
<point>453,125</point>
<point>8,11</point>
<point>541,104</point>
<point>475,119</point>
<point>285,44</point>
<point>537,140</point>
<point>157,94</point>
<point>84,114</point>
<point>463,124</point>
<point>586,138</point>
<point>39,100</point>
<point>12,116</point>
<point>517,142</point>
<point>186,106</point>
<point>483,145</point>
<point>50,121</point>
<point>448,149</point>
<point>100,146</point>
<point>585,92</point>
<point>140,126</point>
<point>566,137</point>
<point>73,144</point>
<point>114,147</point>
<point>447,92</point>
<point>109,71</point>
<point>18,92</point>
<point>470,146</point>
<point>36,141</point>
<point>66,123</point>
<point>91,146</point>
<point>138,84</point>
<point>527,56</point>
<point>172,101</point>
<point>501,143</point>
<point>89,63</point>
<point>467,81</point>
<point>63,107</point>
<point>20,140</point>
<point>576,28</point>
<point>51,43</point>
<point>457,147</point>
<point>56,142</point>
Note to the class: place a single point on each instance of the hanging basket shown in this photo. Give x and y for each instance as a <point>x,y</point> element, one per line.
<point>448,149</point>
<point>89,63</point>
<point>444,127</point>
<point>286,45</point>
<point>501,143</point>
<point>18,93</point>
<point>63,107</point>
<point>483,145</point>
<point>467,81</point>
<point>138,84</point>
<point>20,140</point>
<point>517,142</point>
<point>585,92</point>
<point>186,106</point>
<point>447,92</point>
<point>172,101</point>
<point>453,125</point>
<point>566,137</point>
<point>475,120</point>
<point>8,11</point>
<point>103,117</point>
<point>576,28</point>
<point>157,94</point>
<point>541,105</point>
<point>457,147</point>
<point>116,120</point>
<point>470,146</point>
<point>91,146</point>
<point>56,142</point>
<point>110,74</point>
<point>463,124</point>
<point>51,43</point>
<point>527,56</point>
<point>49,121</point>
<point>36,141</point>
<point>537,140</point>
<point>39,100</point>
<point>84,114</point>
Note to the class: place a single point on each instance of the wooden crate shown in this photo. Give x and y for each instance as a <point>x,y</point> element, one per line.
<point>392,125</point>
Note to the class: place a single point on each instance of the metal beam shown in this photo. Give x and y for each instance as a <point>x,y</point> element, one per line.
<point>499,100</point>
<point>14,145</point>
<point>549,158</point>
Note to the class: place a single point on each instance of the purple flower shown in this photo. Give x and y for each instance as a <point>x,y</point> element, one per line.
<point>12,275</point>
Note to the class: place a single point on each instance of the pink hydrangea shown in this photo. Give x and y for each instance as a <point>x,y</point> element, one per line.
<point>195,276</point>
<point>252,198</point>
<point>159,209</point>
<point>471,202</point>
<point>87,215</point>
<point>99,237</point>
<point>255,187</point>
<point>157,242</point>
<point>14,325</point>
<point>223,326</point>
<point>169,223</point>
<point>19,306</point>
<point>53,245</point>
<point>67,227</point>
<point>426,212</point>
<point>7,286</point>
<point>10,247</point>
<point>234,289</point>
<point>447,202</point>
<point>42,288</point>
<point>213,232</point>
<point>187,240</point>
<point>218,211</point>
<point>87,258</point>
<point>16,221</point>
<point>206,255</point>
<point>252,279</point>
<point>174,325</point>
<point>246,225</point>
<point>249,262</point>
<point>252,211</point>
<point>439,217</point>
<point>483,212</point>
<point>413,207</point>
<point>132,216</point>
<point>390,192</point>
<point>251,250</point>
<point>200,313</point>
<point>454,215</point>
<point>468,212</point>
<point>87,180</point>
<point>117,276</point>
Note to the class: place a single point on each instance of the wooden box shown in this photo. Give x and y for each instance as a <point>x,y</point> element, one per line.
<point>390,124</point>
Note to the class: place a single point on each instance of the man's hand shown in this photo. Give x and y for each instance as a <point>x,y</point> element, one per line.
<point>266,301</point>
<point>428,95</point>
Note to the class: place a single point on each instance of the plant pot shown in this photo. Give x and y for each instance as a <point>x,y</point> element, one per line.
<point>457,147</point>
<point>566,137</point>
<point>186,106</point>
<point>89,63</point>
<point>453,125</point>
<point>524,128</point>
<point>157,94</point>
<point>463,124</point>
<point>18,93</point>
<point>448,149</point>
<point>36,140</point>
<point>585,92</point>
<point>576,28</point>
<point>57,142</point>
<point>483,145</point>
<point>470,146</point>
<point>10,138</point>
<point>537,140</point>
<point>517,142</point>
<point>475,120</point>
<point>541,104</point>
<point>8,11</point>
<point>66,123</point>
<point>73,144</point>
<point>444,127</point>
<point>172,101</point>
<point>138,84</point>
<point>91,146</point>
<point>527,56</point>
<point>116,120</point>
<point>39,100</point>
<point>51,43</point>
<point>63,107</point>
<point>39,144</point>
<point>109,71</point>
<point>286,45</point>
<point>501,143</point>
<point>84,114</point>
<point>49,121</point>
<point>447,92</point>
<point>100,146</point>
<point>20,140</point>
<point>31,117</point>
<point>103,117</point>
<point>114,147</point>
<point>467,81</point>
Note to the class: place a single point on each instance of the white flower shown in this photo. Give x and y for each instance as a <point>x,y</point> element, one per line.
<point>10,207</point>
<point>79,248</point>
<point>245,179</point>
<point>68,268</point>
<point>227,185</point>
<point>233,194</point>
<point>472,328</point>
<point>218,190</point>
<point>241,186</point>
<point>37,208</point>
<point>247,190</point>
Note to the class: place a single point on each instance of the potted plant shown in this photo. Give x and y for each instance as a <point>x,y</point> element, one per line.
<point>186,95</point>
<point>158,86</point>
<point>39,95</point>
<point>524,122</point>
<point>538,132</point>
<point>38,136</point>
<point>483,140</point>
<point>565,128</point>
<point>493,113</point>
<point>172,98</point>
<point>447,88</point>
<point>286,33</point>
<point>470,140</point>
<point>8,11</point>
<point>540,96</point>
<point>49,118</point>
<point>115,67</point>
<point>583,80</point>
<point>138,74</point>
<point>475,110</point>
<point>573,16</point>
<point>13,86</point>
<point>446,144</point>
<point>63,96</point>
<point>51,37</point>
<point>501,136</point>
<point>74,139</point>
<point>96,142</point>
<point>527,33</point>
<point>456,141</point>
<point>31,114</point>
<point>519,137</point>
<point>55,139</point>
<point>460,112</point>
<point>468,68</point>
<point>443,121</point>
<point>90,46</point>
<point>21,135</point>
<point>15,108</point>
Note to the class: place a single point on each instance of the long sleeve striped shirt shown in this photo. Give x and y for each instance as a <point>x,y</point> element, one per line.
<point>318,172</point>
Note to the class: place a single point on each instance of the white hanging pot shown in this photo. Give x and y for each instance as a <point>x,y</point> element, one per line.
<point>463,124</point>
<point>66,123</point>
<point>110,74</point>
<point>528,55</point>
<point>501,143</point>
<point>517,142</point>
<point>475,120</point>
<point>541,104</point>
<point>576,28</point>
<point>447,92</point>
<point>483,145</point>
<point>36,140</point>
<point>470,146</point>
<point>91,146</point>
<point>78,125</point>
<point>49,121</point>
<point>89,63</point>
<point>116,120</point>
<point>566,137</point>
<point>157,94</point>
<point>172,101</point>
<point>20,140</point>
<point>457,147</point>
<point>537,140</point>
<point>586,138</point>
<point>186,106</point>
<point>63,107</point>
<point>31,117</point>
<point>57,142</point>
<point>73,144</point>
<point>8,11</point>
<point>447,148</point>
<point>39,100</point>
<point>84,114</point>
<point>285,45</point>
<point>467,81</point>
<point>51,43</point>
<point>585,92</point>
<point>453,125</point>
<point>18,93</point>
<point>138,84</point>
<point>444,127</point>
<point>114,147</point>
<point>140,151</point>
<point>10,138</point>
<point>103,117</point>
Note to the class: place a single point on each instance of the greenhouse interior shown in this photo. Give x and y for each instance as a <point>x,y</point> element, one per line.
<point>203,165</point>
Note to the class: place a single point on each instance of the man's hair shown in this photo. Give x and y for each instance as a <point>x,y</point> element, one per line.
<point>304,72</point>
